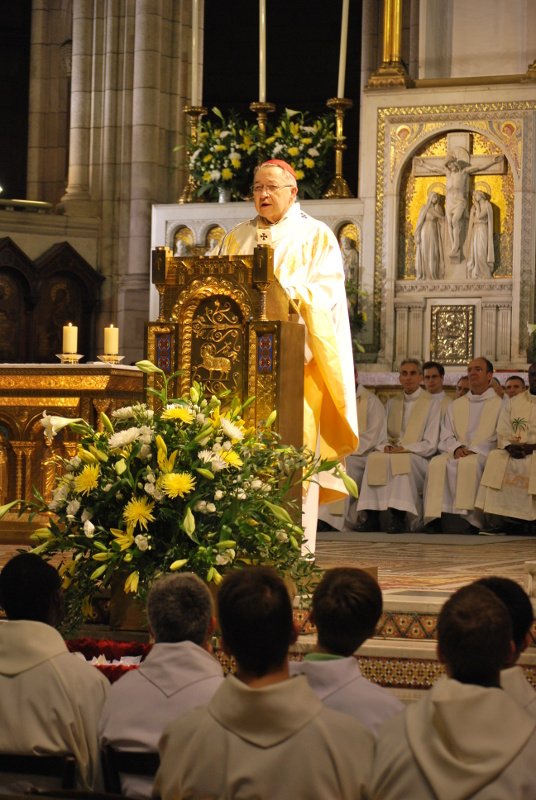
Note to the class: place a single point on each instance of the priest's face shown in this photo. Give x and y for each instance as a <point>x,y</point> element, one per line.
<point>274,191</point>
<point>479,376</point>
<point>532,378</point>
<point>410,377</point>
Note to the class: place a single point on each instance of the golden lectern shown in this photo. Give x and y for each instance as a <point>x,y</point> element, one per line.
<point>226,322</point>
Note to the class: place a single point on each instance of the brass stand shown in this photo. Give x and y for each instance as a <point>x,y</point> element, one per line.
<point>338,186</point>
<point>189,192</point>
<point>69,358</point>
<point>111,359</point>
<point>262,110</point>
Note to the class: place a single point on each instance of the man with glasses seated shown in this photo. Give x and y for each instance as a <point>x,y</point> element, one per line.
<point>308,265</point>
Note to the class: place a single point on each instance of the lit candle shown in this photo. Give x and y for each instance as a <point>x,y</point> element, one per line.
<point>195,53</point>
<point>262,51</point>
<point>111,341</point>
<point>342,52</point>
<point>70,338</point>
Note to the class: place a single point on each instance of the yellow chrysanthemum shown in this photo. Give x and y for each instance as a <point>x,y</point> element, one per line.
<point>299,174</point>
<point>235,162</point>
<point>178,412</point>
<point>226,174</point>
<point>207,158</point>
<point>207,177</point>
<point>230,457</point>
<point>177,484</point>
<point>138,511</point>
<point>219,148</point>
<point>309,163</point>
<point>306,140</point>
<point>293,151</point>
<point>88,479</point>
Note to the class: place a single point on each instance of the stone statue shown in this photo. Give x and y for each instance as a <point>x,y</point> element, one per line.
<point>350,258</point>
<point>479,250</point>
<point>429,251</point>
<point>458,169</point>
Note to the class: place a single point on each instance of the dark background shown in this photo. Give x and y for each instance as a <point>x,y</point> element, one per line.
<point>302,64</point>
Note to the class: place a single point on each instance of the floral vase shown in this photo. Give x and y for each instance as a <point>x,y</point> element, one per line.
<point>127,612</point>
<point>224,194</point>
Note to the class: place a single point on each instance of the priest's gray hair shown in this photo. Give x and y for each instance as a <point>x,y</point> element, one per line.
<point>179,608</point>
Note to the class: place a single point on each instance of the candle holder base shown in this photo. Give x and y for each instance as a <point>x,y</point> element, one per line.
<point>337,188</point>
<point>110,359</point>
<point>69,358</point>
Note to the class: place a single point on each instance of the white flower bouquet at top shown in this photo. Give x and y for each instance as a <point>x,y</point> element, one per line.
<point>189,486</point>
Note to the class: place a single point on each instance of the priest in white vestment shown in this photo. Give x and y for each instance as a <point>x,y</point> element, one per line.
<point>433,376</point>
<point>308,265</point>
<point>508,486</point>
<point>395,473</point>
<point>468,434</point>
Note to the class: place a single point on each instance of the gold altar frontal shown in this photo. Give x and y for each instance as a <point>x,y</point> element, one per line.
<point>67,390</point>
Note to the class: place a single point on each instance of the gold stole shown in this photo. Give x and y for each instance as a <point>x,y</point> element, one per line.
<point>497,461</point>
<point>400,462</point>
<point>466,474</point>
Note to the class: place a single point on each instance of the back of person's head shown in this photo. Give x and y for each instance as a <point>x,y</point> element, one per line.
<point>474,635</point>
<point>255,616</point>
<point>518,605</point>
<point>347,604</point>
<point>179,608</point>
<point>30,589</point>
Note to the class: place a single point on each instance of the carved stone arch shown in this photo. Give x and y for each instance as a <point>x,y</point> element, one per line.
<point>69,292</point>
<point>212,317</point>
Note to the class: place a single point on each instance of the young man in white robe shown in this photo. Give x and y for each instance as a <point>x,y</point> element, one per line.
<point>346,606</point>
<point>466,737</point>
<point>395,472</point>
<point>468,434</point>
<point>433,376</point>
<point>262,735</point>
<point>508,486</point>
<point>179,673</point>
<point>308,265</point>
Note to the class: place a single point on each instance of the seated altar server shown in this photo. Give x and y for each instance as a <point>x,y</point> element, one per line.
<point>466,738</point>
<point>179,673</point>
<point>508,486</point>
<point>396,471</point>
<point>308,265</point>
<point>262,735</point>
<point>50,699</point>
<point>468,434</point>
<point>346,607</point>
<point>518,604</point>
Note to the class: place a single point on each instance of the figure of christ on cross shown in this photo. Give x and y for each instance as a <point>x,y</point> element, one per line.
<point>457,168</point>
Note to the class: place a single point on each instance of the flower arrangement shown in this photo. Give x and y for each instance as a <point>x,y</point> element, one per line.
<point>189,486</point>
<point>224,155</point>
<point>226,152</point>
<point>307,145</point>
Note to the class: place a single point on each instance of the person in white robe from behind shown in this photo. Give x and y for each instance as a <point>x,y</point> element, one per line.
<point>468,434</point>
<point>466,737</point>
<point>508,486</point>
<point>395,473</point>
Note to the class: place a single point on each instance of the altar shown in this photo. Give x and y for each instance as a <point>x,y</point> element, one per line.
<point>67,390</point>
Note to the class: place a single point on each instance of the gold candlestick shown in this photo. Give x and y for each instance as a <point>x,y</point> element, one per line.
<point>262,110</point>
<point>338,186</point>
<point>189,192</point>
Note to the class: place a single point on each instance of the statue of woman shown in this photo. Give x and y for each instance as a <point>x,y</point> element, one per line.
<point>479,250</point>
<point>429,254</point>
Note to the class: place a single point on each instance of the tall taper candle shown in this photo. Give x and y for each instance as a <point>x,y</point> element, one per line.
<point>70,338</point>
<point>262,51</point>
<point>342,51</point>
<point>195,100</point>
<point>111,341</point>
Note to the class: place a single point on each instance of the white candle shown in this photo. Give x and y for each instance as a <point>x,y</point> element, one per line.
<point>342,52</point>
<point>196,100</point>
<point>70,338</point>
<point>262,51</point>
<point>111,341</point>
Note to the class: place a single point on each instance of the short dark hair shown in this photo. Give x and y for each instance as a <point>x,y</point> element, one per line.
<point>515,378</point>
<point>347,604</point>
<point>434,365</point>
<point>255,616</point>
<point>30,588</point>
<point>179,609</point>
<point>517,603</point>
<point>489,365</point>
<point>474,633</point>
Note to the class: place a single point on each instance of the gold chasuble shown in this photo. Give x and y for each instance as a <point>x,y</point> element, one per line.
<point>308,265</point>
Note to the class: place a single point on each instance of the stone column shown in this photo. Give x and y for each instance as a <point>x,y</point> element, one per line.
<point>77,200</point>
<point>488,342</point>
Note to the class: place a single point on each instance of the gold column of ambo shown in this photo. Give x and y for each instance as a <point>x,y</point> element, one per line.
<point>392,71</point>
